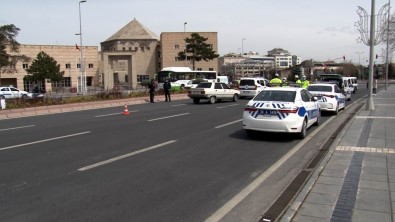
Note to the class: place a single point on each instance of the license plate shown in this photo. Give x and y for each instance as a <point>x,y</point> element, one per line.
<point>268,112</point>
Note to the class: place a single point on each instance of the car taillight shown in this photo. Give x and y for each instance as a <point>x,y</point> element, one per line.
<point>250,109</point>
<point>289,110</point>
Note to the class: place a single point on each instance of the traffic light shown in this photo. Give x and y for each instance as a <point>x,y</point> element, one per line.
<point>377,56</point>
<point>344,57</point>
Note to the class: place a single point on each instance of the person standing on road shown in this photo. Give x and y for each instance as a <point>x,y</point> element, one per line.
<point>305,82</point>
<point>374,86</point>
<point>167,88</point>
<point>151,87</point>
<point>276,81</point>
<point>297,80</point>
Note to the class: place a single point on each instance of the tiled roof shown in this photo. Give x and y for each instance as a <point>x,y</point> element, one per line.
<point>133,30</point>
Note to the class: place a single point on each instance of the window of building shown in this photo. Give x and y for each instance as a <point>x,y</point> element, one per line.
<point>130,48</point>
<point>199,69</point>
<point>90,65</point>
<point>78,65</point>
<point>142,49</point>
<point>123,49</point>
<point>176,46</point>
<point>148,48</point>
<point>126,78</point>
<point>66,82</point>
<point>68,66</point>
<point>210,69</point>
<point>25,66</point>
<point>137,48</point>
<point>141,78</point>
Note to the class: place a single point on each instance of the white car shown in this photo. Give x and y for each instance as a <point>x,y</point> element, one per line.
<point>330,97</point>
<point>281,109</point>
<point>250,87</point>
<point>213,92</point>
<point>13,93</point>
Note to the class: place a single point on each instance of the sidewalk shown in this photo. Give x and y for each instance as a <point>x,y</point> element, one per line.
<point>44,110</point>
<point>356,179</point>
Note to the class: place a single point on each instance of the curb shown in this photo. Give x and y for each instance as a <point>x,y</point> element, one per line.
<point>74,107</point>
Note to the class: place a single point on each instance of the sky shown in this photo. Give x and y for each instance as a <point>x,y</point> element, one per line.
<point>311,29</point>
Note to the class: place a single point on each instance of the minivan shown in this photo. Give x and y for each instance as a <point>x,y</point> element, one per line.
<point>250,87</point>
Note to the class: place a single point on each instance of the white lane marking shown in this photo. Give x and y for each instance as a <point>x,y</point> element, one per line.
<point>227,207</point>
<point>113,114</point>
<point>375,117</point>
<point>166,117</point>
<point>42,141</point>
<point>220,107</point>
<point>19,127</point>
<point>226,124</point>
<point>125,156</point>
<point>184,104</point>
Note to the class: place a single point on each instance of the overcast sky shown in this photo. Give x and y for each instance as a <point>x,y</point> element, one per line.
<point>311,29</point>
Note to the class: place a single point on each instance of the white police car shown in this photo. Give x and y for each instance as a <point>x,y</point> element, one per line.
<point>8,92</point>
<point>330,97</point>
<point>282,109</point>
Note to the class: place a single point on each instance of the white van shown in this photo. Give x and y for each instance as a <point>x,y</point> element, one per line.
<point>250,87</point>
<point>348,87</point>
<point>223,79</point>
<point>354,82</point>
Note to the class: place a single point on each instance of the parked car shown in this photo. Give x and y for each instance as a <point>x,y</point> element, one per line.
<point>330,97</point>
<point>8,92</point>
<point>213,92</point>
<point>283,110</point>
<point>250,87</point>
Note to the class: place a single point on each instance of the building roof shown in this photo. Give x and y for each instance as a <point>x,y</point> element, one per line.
<point>134,30</point>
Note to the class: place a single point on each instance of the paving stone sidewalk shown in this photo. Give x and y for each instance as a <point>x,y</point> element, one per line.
<point>356,179</point>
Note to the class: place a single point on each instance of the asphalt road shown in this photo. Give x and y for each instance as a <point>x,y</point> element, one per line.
<point>164,162</point>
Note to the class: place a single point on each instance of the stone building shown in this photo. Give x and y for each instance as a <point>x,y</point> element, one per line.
<point>68,57</point>
<point>128,57</point>
<point>174,42</point>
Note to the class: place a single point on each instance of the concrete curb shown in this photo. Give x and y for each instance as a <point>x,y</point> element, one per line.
<point>73,107</point>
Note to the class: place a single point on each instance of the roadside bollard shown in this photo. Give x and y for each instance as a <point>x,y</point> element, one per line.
<point>2,103</point>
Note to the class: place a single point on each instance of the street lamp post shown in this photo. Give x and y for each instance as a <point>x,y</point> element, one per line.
<point>371,37</point>
<point>82,68</point>
<point>387,53</point>
<point>242,46</point>
<point>185,43</point>
<point>359,62</point>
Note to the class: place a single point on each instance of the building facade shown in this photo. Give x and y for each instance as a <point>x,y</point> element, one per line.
<point>68,57</point>
<point>128,57</point>
<point>174,42</point>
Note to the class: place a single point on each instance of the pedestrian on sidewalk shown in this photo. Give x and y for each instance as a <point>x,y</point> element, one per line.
<point>374,86</point>
<point>167,88</point>
<point>151,87</point>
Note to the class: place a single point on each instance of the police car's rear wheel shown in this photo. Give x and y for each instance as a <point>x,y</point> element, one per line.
<point>303,131</point>
<point>317,123</point>
<point>337,109</point>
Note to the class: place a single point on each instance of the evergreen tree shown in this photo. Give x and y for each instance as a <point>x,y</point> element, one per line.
<point>9,45</point>
<point>197,50</point>
<point>44,67</point>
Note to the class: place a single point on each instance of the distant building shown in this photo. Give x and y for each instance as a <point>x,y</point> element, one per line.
<point>131,55</point>
<point>283,59</point>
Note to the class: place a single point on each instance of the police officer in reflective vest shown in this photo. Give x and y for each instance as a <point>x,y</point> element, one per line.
<point>305,82</point>
<point>276,81</point>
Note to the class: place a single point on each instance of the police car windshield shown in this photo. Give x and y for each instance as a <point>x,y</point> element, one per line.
<point>275,95</point>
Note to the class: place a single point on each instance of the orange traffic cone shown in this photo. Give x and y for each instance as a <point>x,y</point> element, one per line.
<point>126,111</point>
